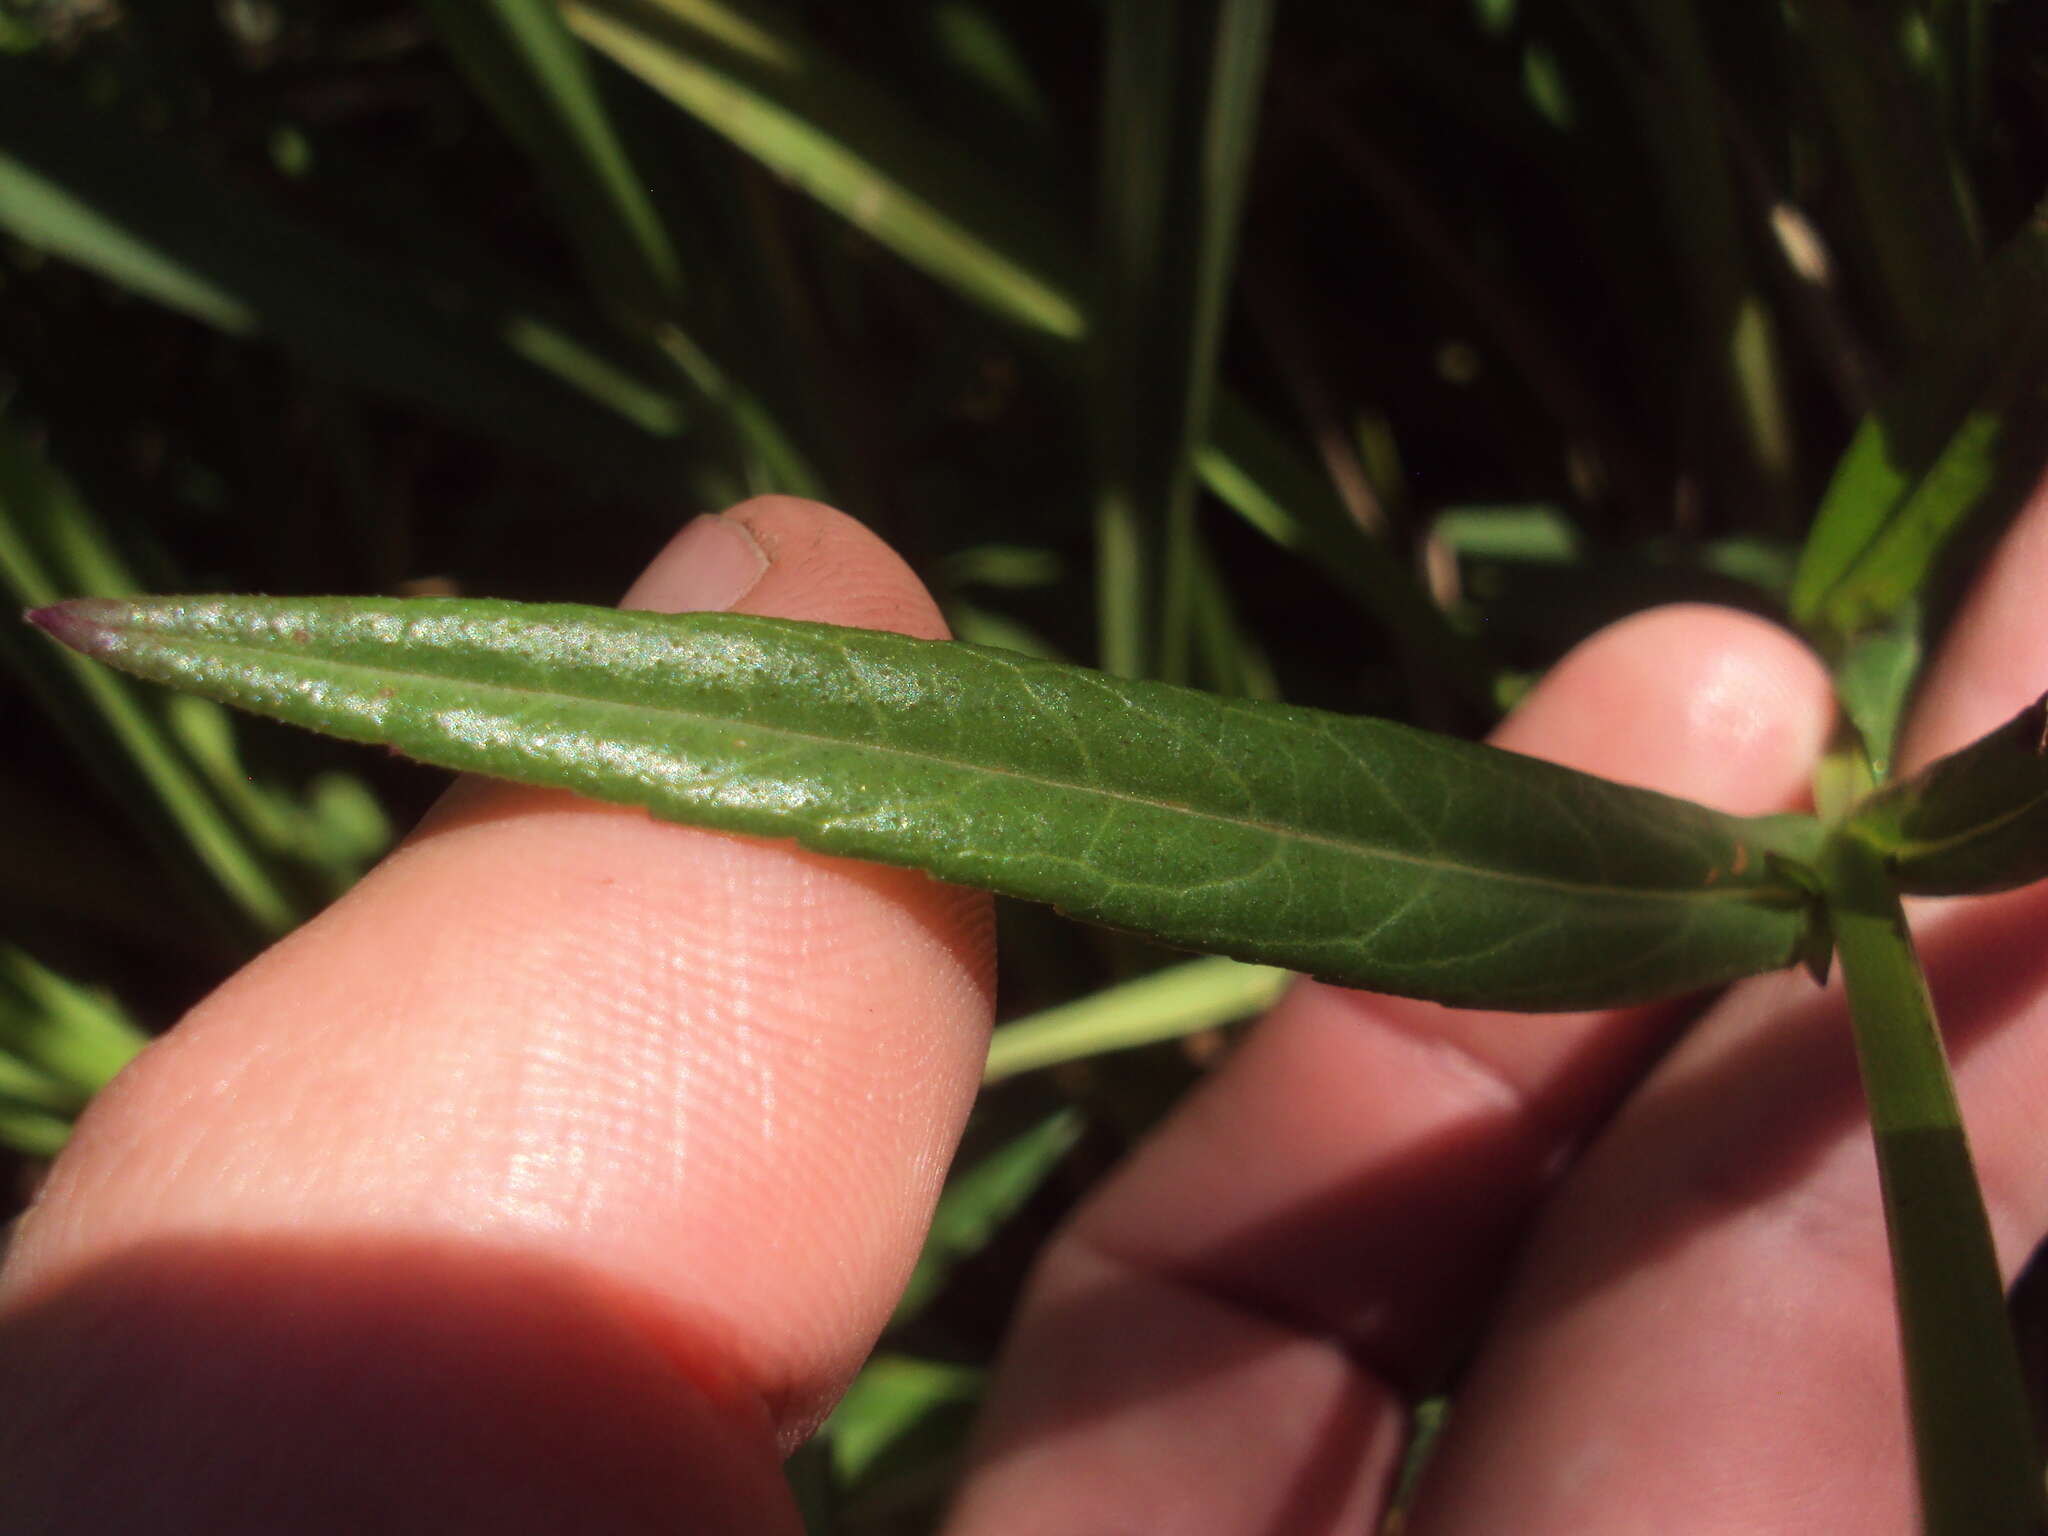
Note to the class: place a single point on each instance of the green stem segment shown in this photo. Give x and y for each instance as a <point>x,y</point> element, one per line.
<point>1973,1433</point>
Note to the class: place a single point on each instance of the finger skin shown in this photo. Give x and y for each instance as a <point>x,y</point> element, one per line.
<point>1704,1337</point>
<point>651,1117</point>
<point>1317,1232</point>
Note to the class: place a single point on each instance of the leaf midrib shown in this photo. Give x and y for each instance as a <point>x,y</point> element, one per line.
<point>1754,895</point>
<point>1927,847</point>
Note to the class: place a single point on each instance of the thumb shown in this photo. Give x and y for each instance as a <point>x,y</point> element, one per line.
<point>554,1179</point>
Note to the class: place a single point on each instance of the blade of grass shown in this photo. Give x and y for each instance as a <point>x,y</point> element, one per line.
<point>1272,487</point>
<point>52,548</point>
<point>847,142</point>
<point>1909,193</point>
<point>75,1037</point>
<point>523,60</point>
<point>30,1130</point>
<point>1679,107</point>
<point>789,105</point>
<point>1231,661</point>
<point>1204,174</point>
<point>979,1199</point>
<point>1973,1431</point>
<point>86,186</point>
<point>1180,1000</point>
<point>979,47</point>
<point>534,73</point>
<point>1139,240</point>
<point>903,1422</point>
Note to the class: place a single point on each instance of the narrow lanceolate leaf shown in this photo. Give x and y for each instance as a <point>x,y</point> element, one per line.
<point>1368,853</point>
<point>1976,820</point>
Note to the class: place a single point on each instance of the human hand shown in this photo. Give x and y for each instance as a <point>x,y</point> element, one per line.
<point>558,1178</point>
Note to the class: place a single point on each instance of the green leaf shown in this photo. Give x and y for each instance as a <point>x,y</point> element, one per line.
<point>1913,203</point>
<point>1182,86</point>
<point>845,143</point>
<point>73,1036</point>
<point>1973,1432</point>
<point>979,1199</point>
<point>1873,681</point>
<point>1684,112</point>
<point>901,1408</point>
<point>1976,820</point>
<point>1162,1006</point>
<point>1365,852</point>
<point>51,545</point>
<point>849,143</point>
<point>60,1043</point>
<point>1955,445</point>
<point>1271,487</point>
<point>87,186</point>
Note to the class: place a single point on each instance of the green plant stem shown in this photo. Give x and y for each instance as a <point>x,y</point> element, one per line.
<point>1973,1433</point>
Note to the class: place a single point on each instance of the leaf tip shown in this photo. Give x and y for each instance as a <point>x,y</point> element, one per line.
<point>83,623</point>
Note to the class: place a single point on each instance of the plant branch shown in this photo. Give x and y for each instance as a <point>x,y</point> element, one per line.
<point>1973,1433</point>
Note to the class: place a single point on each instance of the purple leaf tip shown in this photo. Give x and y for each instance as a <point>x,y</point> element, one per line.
<point>83,623</point>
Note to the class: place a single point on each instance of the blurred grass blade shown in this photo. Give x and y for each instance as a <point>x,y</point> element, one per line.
<point>847,144</point>
<point>523,60</point>
<point>979,1199</point>
<point>1973,1431</point>
<point>1180,1000</point>
<point>1182,84</point>
<point>1680,108</point>
<point>1975,820</point>
<point>60,1043</point>
<point>75,1038</point>
<point>1953,449</point>
<point>27,1128</point>
<point>901,1412</point>
<point>1231,660</point>
<point>50,548</point>
<point>1909,194</point>
<point>139,210</point>
<point>1358,850</point>
<point>977,44</point>
<point>1525,535</point>
<point>1140,245</point>
<point>1273,489</point>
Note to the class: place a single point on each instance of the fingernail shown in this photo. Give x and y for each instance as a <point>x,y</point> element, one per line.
<point>711,564</point>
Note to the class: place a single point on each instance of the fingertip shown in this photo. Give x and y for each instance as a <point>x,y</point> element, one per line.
<point>826,566</point>
<point>719,1071</point>
<point>1702,702</point>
